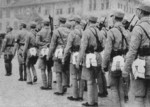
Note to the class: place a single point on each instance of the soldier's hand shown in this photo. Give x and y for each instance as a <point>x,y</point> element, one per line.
<point>77,66</point>
<point>47,57</point>
<point>105,69</point>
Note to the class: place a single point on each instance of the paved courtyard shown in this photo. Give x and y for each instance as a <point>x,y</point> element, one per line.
<point>18,94</point>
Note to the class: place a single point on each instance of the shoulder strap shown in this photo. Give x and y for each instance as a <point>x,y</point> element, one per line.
<point>61,36</point>
<point>105,33</point>
<point>112,35</point>
<point>95,34</point>
<point>144,31</point>
<point>123,37</point>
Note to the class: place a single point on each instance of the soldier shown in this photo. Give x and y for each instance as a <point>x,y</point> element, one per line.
<point>43,41</point>
<point>116,46</point>
<point>58,43</point>
<point>140,46</point>
<point>91,46</point>
<point>7,48</point>
<point>101,80</point>
<point>19,46</point>
<point>73,46</point>
<point>31,50</point>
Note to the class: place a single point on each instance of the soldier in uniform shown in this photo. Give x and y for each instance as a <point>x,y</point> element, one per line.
<point>7,48</point>
<point>58,43</point>
<point>19,46</point>
<point>101,80</point>
<point>91,46</point>
<point>43,39</point>
<point>31,50</point>
<point>116,45</point>
<point>73,45</point>
<point>140,46</point>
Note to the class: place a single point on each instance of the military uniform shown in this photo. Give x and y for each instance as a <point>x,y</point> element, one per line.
<point>139,40</point>
<point>89,44</point>
<point>7,48</point>
<point>43,40</point>
<point>73,46</point>
<point>101,80</point>
<point>19,45</point>
<point>113,44</point>
<point>30,42</point>
<point>59,41</point>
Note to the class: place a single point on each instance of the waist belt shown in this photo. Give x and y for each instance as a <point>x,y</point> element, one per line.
<point>21,44</point>
<point>75,49</point>
<point>9,45</point>
<point>144,51</point>
<point>119,52</point>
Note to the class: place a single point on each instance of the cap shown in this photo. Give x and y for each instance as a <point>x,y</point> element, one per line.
<point>145,8</point>
<point>9,27</point>
<point>68,25</point>
<point>118,13</point>
<point>33,25</point>
<point>46,22</point>
<point>22,24</point>
<point>76,18</point>
<point>93,19</point>
<point>63,19</point>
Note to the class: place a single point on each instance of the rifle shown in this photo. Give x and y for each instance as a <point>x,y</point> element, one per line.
<point>51,24</point>
<point>132,26</point>
<point>85,26</point>
<point>128,26</point>
<point>101,25</point>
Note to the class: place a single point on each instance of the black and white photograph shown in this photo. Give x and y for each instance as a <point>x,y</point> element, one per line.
<point>74,53</point>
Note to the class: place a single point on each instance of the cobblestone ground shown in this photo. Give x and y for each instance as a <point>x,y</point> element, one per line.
<point>18,94</point>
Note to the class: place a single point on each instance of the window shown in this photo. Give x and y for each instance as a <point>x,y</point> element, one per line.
<point>1,14</point>
<point>39,10</point>
<point>118,5</point>
<point>124,8</point>
<point>8,1</point>
<point>70,10</point>
<point>102,6</point>
<point>94,8</point>
<point>92,5</point>
<point>7,13</point>
<point>0,26</point>
<point>107,5</point>
<point>46,11</point>
<point>59,11</point>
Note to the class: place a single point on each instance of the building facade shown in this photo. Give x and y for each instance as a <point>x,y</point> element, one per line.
<point>12,12</point>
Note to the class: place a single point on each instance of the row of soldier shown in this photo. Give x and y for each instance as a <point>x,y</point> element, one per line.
<point>80,55</point>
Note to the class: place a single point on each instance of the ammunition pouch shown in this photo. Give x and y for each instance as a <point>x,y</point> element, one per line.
<point>9,45</point>
<point>144,51</point>
<point>75,49</point>
<point>118,52</point>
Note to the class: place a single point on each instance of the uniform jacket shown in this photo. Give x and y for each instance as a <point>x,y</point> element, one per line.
<point>138,40</point>
<point>114,42</point>
<point>88,39</point>
<point>43,37</point>
<point>8,43</point>
<point>73,41</point>
<point>20,40</point>
<point>30,41</point>
<point>59,39</point>
<point>103,33</point>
